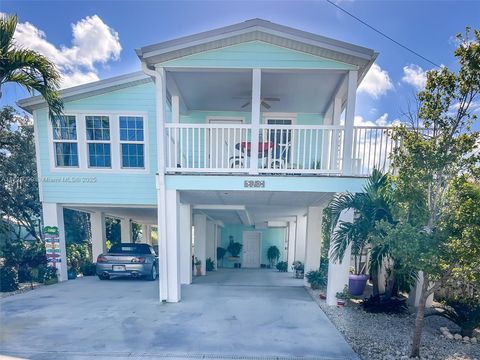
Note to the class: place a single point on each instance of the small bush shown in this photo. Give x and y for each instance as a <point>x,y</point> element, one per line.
<point>234,248</point>
<point>344,294</point>
<point>210,265</point>
<point>50,275</point>
<point>88,269</point>
<point>317,279</point>
<point>8,279</point>
<point>378,304</point>
<point>282,266</point>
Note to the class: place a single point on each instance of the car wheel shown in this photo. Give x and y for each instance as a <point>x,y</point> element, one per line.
<point>103,277</point>
<point>153,273</point>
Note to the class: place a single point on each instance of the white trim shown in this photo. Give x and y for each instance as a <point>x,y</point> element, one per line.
<point>115,143</point>
<point>37,156</point>
<point>279,116</point>
<point>226,118</point>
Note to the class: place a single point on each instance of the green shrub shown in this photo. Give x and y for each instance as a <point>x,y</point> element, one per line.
<point>344,294</point>
<point>50,275</point>
<point>8,279</point>
<point>282,266</point>
<point>317,279</point>
<point>88,269</point>
<point>210,265</point>
<point>273,254</point>
<point>77,254</point>
<point>221,253</point>
<point>234,248</point>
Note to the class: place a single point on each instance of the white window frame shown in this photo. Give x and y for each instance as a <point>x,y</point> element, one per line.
<point>121,142</point>
<point>87,142</point>
<point>53,141</point>
<point>114,118</point>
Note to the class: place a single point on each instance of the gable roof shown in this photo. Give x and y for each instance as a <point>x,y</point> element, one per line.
<point>259,30</point>
<point>89,89</point>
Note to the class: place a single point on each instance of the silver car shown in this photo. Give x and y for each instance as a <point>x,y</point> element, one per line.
<point>134,260</point>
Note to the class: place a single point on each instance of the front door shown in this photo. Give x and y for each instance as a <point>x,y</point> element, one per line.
<point>252,242</point>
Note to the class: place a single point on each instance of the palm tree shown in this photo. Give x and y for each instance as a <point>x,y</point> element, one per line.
<point>27,68</point>
<point>371,206</point>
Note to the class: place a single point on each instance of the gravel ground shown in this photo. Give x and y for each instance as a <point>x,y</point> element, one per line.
<point>388,337</point>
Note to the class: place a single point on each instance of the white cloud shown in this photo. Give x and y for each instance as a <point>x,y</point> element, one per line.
<point>414,75</point>
<point>376,83</point>
<point>93,42</point>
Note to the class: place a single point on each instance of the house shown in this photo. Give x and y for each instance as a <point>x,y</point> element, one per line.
<point>242,133</point>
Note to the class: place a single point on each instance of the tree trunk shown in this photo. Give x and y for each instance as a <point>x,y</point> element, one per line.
<point>375,289</point>
<point>390,285</point>
<point>417,335</point>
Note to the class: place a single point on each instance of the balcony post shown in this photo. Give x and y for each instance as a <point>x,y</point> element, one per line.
<point>256,103</point>
<point>349,119</point>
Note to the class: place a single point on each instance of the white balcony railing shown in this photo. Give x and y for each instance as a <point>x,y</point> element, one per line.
<point>282,149</point>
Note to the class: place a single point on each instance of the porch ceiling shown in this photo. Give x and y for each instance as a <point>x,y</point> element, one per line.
<point>141,215</point>
<point>304,91</point>
<point>259,206</point>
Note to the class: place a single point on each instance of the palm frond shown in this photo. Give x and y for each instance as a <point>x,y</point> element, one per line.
<point>8,24</point>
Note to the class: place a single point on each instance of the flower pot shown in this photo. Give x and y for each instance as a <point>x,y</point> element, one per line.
<point>341,302</point>
<point>199,270</point>
<point>356,284</point>
<point>323,296</point>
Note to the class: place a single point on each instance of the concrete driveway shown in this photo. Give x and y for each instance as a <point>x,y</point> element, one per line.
<point>229,314</point>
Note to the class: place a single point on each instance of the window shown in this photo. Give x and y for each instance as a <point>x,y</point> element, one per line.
<point>65,141</point>
<point>132,141</point>
<point>98,141</point>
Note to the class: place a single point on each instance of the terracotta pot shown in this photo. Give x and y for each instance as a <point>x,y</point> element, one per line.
<point>323,296</point>
<point>199,270</point>
<point>341,302</point>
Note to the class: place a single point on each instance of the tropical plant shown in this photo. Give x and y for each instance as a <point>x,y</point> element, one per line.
<point>282,266</point>
<point>197,262</point>
<point>88,268</point>
<point>370,207</point>
<point>27,68</point>
<point>463,312</point>
<point>317,279</point>
<point>50,275</point>
<point>210,264</point>
<point>441,146</point>
<point>234,248</point>
<point>298,266</point>
<point>386,305</point>
<point>273,254</point>
<point>344,294</point>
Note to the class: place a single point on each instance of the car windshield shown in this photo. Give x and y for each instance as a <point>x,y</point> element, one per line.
<point>130,248</point>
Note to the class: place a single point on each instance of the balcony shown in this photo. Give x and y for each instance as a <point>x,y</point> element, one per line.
<point>280,149</point>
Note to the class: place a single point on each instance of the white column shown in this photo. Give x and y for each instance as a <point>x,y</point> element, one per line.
<point>185,244</point>
<point>300,238</point>
<point>313,244</point>
<point>172,255</point>
<point>53,216</point>
<point>99,236</point>
<point>292,232</point>
<point>256,104</point>
<point>338,271</point>
<point>415,294</point>
<point>349,119</point>
<point>126,230</point>
<point>200,228</point>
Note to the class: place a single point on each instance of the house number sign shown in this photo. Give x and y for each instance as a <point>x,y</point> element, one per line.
<point>254,184</point>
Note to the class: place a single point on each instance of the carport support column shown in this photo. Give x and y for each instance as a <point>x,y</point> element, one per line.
<point>313,242</point>
<point>171,257</point>
<point>185,244</point>
<point>200,228</point>
<point>256,104</point>
<point>99,236</point>
<point>53,216</point>
<point>300,238</point>
<point>292,232</point>
<point>338,271</point>
<point>126,230</point>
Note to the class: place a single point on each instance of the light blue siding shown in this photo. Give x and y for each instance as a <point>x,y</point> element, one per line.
<point>270,237</point>
<point>256,54</point>
<point>94,186</point>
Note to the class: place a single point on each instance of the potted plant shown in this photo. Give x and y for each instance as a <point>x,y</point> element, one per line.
<point>298,267</point>
<point>210,265</point>
<point>282,266</point>
<point>234,249</point>
<point>198,266</point>
<point>273,254</point>
<point>343,296</point>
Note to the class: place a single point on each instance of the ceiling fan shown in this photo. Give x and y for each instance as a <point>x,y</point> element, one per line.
<point>263,101</point>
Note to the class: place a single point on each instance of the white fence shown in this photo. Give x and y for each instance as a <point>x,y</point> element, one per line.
<point>282,149</point>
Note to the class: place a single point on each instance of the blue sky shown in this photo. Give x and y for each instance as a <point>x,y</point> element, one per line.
<point>63,29</point>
